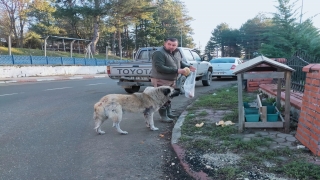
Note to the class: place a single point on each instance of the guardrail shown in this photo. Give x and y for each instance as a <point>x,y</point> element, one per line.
<point>46,60</point>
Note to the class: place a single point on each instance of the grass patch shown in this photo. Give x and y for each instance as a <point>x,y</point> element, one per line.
<point>232,116</point>
<point>247,145</point>
<point>203,113</point>
<point>301,170</point>
<point>229,172</point>
<point>225,98</point>
<point>255,152</point>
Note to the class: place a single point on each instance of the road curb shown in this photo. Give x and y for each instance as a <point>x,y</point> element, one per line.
<point>180,152</point>
<point>40,79</point>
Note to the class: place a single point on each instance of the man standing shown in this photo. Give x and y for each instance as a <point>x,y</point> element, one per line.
<point>166,65</point>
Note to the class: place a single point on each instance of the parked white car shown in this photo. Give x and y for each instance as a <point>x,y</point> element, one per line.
<point>223,67</point>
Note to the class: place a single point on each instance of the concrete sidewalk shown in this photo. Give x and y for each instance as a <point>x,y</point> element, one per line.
<point>51,78</point>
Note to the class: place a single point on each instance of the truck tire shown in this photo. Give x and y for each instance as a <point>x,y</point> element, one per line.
<point>208,80</point>
<point>133,89</point>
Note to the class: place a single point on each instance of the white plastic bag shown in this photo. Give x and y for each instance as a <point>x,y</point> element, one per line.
<point>189,85</point>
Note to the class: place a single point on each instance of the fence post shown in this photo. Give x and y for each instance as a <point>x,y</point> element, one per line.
<point>45,47</point>
<point>31,59</point>
<point>9,44</point>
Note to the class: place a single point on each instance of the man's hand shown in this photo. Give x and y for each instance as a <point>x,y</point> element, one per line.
<point>193,69</point>
<point>181,71</point>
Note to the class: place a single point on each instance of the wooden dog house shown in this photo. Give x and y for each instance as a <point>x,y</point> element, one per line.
<point>273,70</point>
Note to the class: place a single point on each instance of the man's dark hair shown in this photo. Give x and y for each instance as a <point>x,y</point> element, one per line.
<point>171,39</point>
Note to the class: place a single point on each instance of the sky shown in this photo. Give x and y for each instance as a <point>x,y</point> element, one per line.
<point>207,14</point>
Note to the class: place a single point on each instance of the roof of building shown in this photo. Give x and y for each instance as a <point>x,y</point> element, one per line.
<point>262,62</point>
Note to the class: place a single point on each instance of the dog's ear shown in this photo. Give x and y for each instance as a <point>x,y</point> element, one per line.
<point>166,91</point>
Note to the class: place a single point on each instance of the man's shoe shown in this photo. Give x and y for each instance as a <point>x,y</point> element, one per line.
<point>163,115</point>
<point>169,112</point>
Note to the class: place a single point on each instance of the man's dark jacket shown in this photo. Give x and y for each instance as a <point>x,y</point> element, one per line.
<point>165,65</point>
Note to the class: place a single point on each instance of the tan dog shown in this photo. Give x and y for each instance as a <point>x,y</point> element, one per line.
<point>112,106</point>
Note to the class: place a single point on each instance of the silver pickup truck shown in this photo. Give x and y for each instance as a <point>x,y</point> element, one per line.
<point>132,75</point>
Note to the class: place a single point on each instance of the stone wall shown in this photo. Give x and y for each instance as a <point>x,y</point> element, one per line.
<point>34,71</point>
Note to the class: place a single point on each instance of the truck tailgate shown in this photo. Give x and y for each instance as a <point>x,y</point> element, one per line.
<point>130,70</point>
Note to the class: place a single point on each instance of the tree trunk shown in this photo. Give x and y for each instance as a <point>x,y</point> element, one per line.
<point>119,43</point>
<point>96,34</point>
<point>21,33</point>
<point>113,42</point>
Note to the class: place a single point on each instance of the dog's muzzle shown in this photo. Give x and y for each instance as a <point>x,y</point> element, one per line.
<point>175,93</point>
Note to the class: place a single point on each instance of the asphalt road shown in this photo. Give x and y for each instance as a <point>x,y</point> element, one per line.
<point>46,132</point>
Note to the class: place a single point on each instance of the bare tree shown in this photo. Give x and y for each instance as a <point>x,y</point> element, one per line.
<point>16,11</point>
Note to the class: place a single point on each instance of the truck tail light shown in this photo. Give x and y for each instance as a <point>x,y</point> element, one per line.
<point>108,70</point>
<point>233,67</point>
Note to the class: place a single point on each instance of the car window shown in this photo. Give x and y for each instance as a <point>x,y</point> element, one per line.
<point>222,60</point>
<point>196,56</point>
<point>143,55</point>
<point>188,55</point>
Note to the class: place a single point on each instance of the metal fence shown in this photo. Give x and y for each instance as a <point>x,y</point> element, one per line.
<point>46,60</point>
<point>298,60</point>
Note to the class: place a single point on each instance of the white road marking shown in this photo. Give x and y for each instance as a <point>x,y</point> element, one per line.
<point>75,77</point>
<point>99,76</point>
<point>57,88</point>
<point>10,81</point>
<point>95,84</point>
<point>45,79</point>
<point>10,94</point>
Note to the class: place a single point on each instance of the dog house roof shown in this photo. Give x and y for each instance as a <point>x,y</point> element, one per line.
<point>261,63</point>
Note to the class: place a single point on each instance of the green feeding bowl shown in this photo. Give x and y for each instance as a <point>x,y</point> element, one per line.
<point>251,110</point>
<point>266,104</point>
<point>271,110</point>
<point>272,117</point>
<point>246,105</point>
<point>252,117</point>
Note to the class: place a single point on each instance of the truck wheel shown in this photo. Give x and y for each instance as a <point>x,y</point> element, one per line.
<point>209,79</point>
<point>133,89</point>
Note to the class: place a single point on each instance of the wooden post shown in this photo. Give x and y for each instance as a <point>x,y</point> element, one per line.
<point>71,47</point>
<point>278,100</point>
<point>287,103</point>
<point>240,103</point>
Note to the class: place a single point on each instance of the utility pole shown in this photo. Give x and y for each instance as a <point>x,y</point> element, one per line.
<point>301,12</point>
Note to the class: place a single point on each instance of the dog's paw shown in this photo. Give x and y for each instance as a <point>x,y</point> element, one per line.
<point>101,132</point>
<point>124,132</point>
<point>148,125</point>
<point>154,128</point>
